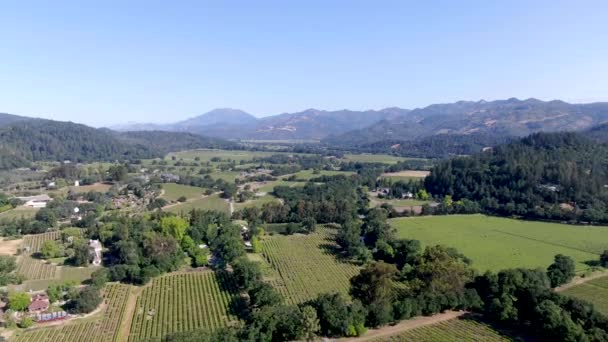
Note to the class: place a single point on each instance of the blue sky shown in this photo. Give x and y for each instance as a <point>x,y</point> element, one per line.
<point>108,62</point>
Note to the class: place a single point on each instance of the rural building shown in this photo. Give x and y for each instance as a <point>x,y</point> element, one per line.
<point>169,177</point>
<point>40,302</point>
<point>39,201</point>
<point>95,251</point>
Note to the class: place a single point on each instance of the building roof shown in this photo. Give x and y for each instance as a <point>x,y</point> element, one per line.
<point>38,305</point>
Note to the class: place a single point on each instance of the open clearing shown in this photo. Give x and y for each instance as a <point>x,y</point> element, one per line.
<point>594,291</point>
<point>207,155</point>
<point>375,158</point>
<point>97,187</point>
<point>19,212</point>
<point>10,247</point>
<point>408,174</point>
<point>182,302</point>
<point>213,202</point>
<point>174,191</point>
<point>497,243</point>
<point>306,266</point>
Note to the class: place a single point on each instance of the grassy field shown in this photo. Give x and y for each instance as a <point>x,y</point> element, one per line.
<point>304,265</point>
<point>405,175</point>
<point>19,212</point>
<point>213,202</point>
<point>454,330</point>
<point>375,158</point>
<point>309,174</point>
<point>181,302</point>
<point>97,187</point>
<point>174,191</point>
<point>498,243</point>
<point>594,291</point>
<point>207,155</point>
<point>104,327</point>
<point>256,202</point>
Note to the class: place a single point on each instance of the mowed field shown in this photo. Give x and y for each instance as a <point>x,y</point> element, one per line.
<point>172,191</point>
<point>19,212</point>
<point>182,302</point>
<point>303,266</point>
<point>594,291</point>
<point>454,330</point>
<point>497,243</point>
<point>213,202</point>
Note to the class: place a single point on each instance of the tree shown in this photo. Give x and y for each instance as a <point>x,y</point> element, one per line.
<point>26,322</point>
<point>51,249</point>
<point>19,301</point>
<point>604,259</point>
<point>309,224</point>
<point>86,301</point>
<point>117,173</point>
<point>81,254</point>
<point>246,273</point>
<point>373,286</point>
<point>376,228</point>
<point>561,271</point>
<point>262,295</point>
<point>174,226</point>
<point>310,323</point>
<point>46,216</point>
<point>100,277</point>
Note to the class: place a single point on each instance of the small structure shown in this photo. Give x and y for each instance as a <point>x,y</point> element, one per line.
<point>40,303</point>
<point>169,178</point>
<point>51,316</point>
<point>76,183</point>
<point>95,251</point>
<point>39,201</point>
<point>407,195</point>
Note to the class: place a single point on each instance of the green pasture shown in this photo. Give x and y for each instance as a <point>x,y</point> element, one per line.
<point>174,191</point>
<point>375,158</point>
<point>498,243</point>
<point>19,212</point>
<point>213,202</point>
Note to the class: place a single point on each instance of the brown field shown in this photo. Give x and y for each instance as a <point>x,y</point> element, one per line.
<point>407,173</point>
<point>10,247</point>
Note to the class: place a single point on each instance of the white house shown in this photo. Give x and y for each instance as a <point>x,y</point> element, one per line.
<point>95,250</point>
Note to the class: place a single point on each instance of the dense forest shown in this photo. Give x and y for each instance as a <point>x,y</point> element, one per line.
<point>546,175</point>
<point>37,139</point>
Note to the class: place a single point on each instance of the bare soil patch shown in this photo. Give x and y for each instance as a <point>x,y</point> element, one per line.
<point>10,247</point>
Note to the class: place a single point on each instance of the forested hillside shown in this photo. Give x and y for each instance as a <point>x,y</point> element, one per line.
<point>545,175</point>
<point>37,139</point>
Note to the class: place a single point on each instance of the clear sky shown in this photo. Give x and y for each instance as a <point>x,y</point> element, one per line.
<point>108,62</point>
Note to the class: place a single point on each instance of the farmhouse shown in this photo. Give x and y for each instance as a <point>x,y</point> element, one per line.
<point>40,302</point>
<point>95,251</point>
<point>39,201</point>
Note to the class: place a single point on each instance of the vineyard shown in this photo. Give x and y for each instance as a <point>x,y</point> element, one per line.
<point>594,291</point>
<point>182,302</point>
<point>34,242</point>
<point>454,330</point>
<point>34,269</point>
<point>106,328</point>
<point>305,266</point>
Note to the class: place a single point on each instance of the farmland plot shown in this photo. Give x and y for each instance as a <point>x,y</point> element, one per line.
<point>182,302</point>
<point>454,330</point>
<point>103,329</point>
<point>495,243</point>
<point>305,266</point>
<point>594,291</point>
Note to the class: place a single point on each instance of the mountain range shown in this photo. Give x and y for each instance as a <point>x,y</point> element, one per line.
<point>501,118</point>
